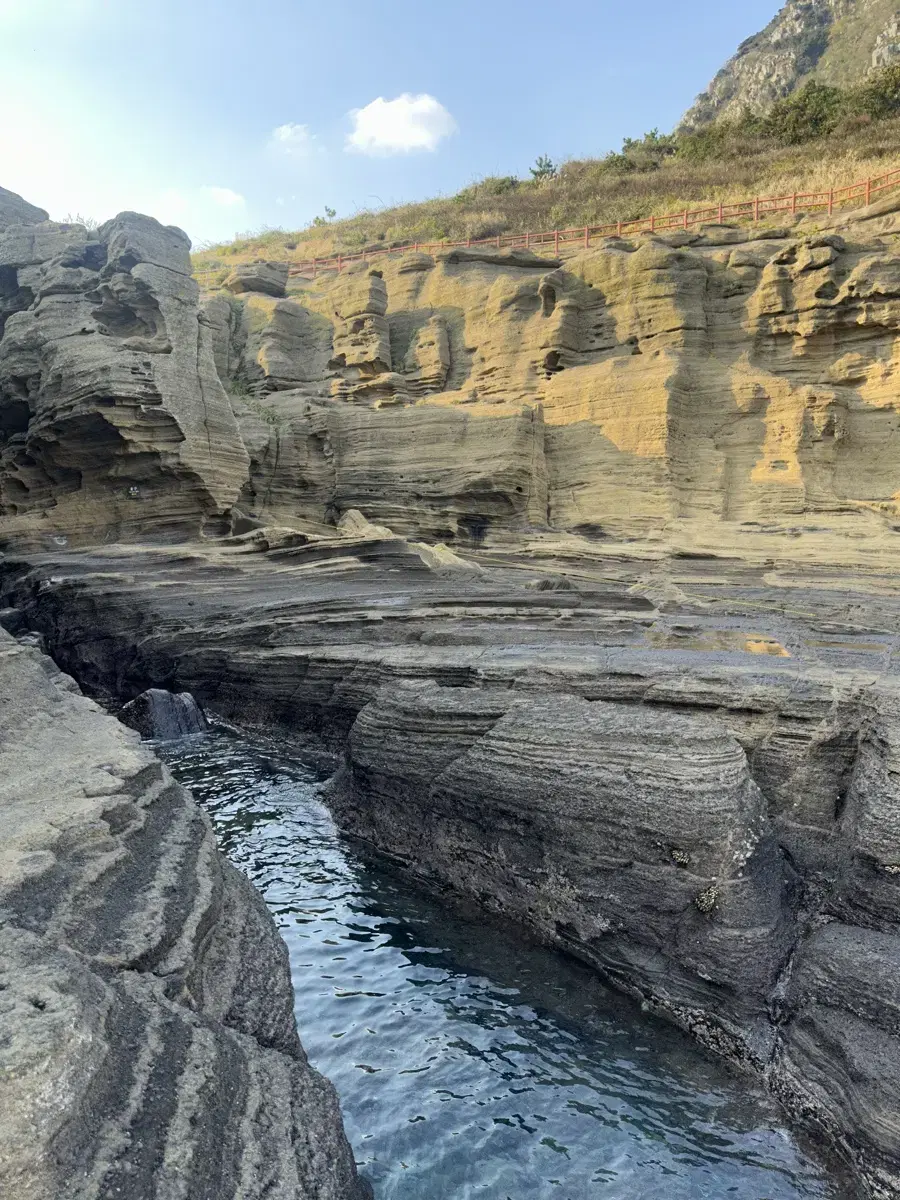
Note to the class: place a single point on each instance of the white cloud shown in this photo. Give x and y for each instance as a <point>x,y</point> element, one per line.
<point>291,139</point>
<point>400,126</point>
<point>224,197</point>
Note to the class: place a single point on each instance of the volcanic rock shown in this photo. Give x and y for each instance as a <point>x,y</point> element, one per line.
<point>147,1037</point>
<point>270,278</point>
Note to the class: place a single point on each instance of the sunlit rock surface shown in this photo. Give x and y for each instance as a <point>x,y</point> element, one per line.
<point>586,567</point>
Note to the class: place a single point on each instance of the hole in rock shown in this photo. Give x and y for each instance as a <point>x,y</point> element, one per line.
<point>827,291</point>
<point>548,296</point>
<point>474,528</point>
<point>126,308</point>
<point>14,417</point>
<point>589,529</point>
<point>552,364</point>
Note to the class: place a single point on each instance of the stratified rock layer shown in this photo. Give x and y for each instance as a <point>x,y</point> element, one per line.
<point>686,777</point>
<point>702,389</point>
<point>112,414</point>
<point>588,565</point>
<point>147,1037</point>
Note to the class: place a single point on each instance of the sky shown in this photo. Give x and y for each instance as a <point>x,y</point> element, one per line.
<point>226,116</point>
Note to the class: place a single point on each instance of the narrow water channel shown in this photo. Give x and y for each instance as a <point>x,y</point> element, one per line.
<point>470,1064</point>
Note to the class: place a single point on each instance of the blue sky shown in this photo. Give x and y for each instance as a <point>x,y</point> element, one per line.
<point>224,116</point>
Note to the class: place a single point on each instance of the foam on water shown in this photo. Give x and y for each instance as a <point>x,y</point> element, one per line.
<point>470,1063</point>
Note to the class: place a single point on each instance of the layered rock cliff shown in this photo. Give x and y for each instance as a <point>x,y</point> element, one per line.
<point>834,41</point>
<point>686,779</point>
<point>147,1037</point>
<point>111,411</point>
<point>696,390</point>
<point>587,566</point>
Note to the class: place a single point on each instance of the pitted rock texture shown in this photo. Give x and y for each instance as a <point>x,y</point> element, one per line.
<point>682,772</point>
<point>147,1037</point>
<point>111,411</point>
<point>700,390</point>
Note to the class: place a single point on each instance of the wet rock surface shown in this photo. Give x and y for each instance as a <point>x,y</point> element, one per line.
<point>691,794</point>
<point>157,713</point>
<point>147,1038</point>
<point>585,568</point>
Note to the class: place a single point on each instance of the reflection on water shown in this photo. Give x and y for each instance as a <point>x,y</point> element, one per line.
<point>470,1064</point>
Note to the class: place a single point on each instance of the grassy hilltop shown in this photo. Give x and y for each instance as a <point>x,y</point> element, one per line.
<point>820,137</point>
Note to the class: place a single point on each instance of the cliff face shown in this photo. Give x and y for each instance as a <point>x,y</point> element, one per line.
<point>834,41</point>
<point>147,1037</point>
<point>696,390</point>
<point>643,700</point>
<point>111,412</point>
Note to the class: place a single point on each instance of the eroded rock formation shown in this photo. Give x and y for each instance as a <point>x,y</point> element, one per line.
<point>587,566</point>
<point>112,415</point>
<point>147,1037</point>
<point>686,780</point>
<point>700,390</point>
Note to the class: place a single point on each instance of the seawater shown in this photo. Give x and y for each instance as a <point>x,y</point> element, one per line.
<point>469,1062</point>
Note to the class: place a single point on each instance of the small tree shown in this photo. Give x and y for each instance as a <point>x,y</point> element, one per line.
<point>544,168</point>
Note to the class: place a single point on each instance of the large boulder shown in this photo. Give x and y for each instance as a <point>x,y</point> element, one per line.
<point>270,278</point>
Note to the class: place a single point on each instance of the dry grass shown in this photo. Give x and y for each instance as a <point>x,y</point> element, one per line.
<point>590,191</point>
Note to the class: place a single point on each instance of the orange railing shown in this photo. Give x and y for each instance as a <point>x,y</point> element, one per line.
<point>760,207</point>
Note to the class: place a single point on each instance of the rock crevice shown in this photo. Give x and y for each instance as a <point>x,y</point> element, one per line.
<point>148,1040</point>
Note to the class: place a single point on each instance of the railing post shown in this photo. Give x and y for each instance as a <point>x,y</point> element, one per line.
<point>498,241</point>
<point>339,264</point>
<point>619,229</point>
<point>556,240</point>
<point>794,204</point>
<point>868,192</point>
<point>527,241</point>
<point>756,208</point>
<point>417,247</point>
<point>831,202</point>
<point>721,213</point>
<point>685,218</point>
<point>315,267</point>
<point>587,237</point>
<point>653,223</point>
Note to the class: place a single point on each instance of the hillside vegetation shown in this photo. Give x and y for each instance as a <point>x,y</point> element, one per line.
<point>835,42</point>
<point>820,137</point>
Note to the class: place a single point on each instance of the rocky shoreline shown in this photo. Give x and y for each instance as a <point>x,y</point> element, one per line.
<point>586,568</point>
<point>147,1035</point>
<point>714,831</point>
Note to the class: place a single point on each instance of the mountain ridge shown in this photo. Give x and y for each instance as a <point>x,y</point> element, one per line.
<point>835,42</point>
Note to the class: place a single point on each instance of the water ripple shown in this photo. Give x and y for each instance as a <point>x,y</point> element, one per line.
<point>469,1064</point>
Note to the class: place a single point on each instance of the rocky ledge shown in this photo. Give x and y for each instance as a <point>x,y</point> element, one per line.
<point>587,568</point>
<point>685,774</point>
<point>147,1038</point>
